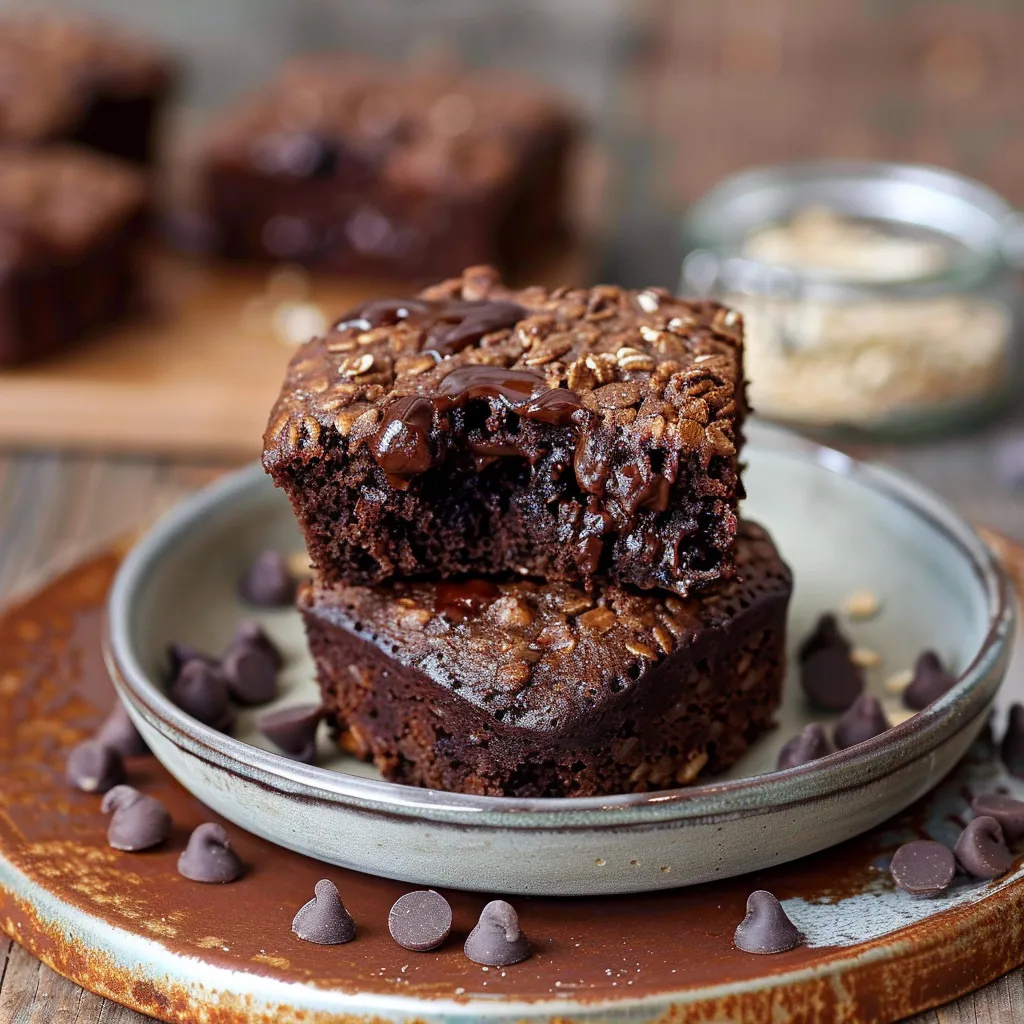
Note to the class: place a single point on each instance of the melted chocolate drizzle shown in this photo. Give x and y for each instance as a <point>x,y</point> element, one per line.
<point>451,324</point>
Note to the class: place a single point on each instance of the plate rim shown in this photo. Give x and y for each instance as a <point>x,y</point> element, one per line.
<point>856,766</point>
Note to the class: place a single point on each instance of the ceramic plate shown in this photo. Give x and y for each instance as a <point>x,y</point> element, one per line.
<point>841,525</point>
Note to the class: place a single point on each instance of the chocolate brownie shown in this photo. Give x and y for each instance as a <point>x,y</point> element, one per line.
<point>520,688</point>
<point>66,78</point>
<point>70,228</point>
<point>365,167</point>
<point>559,434</point>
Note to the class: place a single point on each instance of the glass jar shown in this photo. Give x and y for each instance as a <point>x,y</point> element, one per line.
<point>878,298</point>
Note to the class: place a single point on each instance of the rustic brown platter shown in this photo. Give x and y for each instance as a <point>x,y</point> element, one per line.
<point>129,927</point>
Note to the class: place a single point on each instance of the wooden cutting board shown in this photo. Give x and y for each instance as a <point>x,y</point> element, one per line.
<point>198,373</point>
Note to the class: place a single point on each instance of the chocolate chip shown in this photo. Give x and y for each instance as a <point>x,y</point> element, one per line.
<point>293,729</point>
<point>766,928</point>
<point>1012,748</point>
<point>981,849</point>
<point>252,634</point>
<point>250,674</point>
<point>421,920</point>
<point>209,857</point>
<point>139,821</point>
<point>267,582</point>
<point>179,654</point>
<point>930,682</point>
<point>324,919</point>
<point>863,720</point>
<point>119,733</point>
<point>828,676</point>
<point>94,767</point>
<point>202,692</point>
<point>1007,811</point>
<point>923,867</point>
<point>496,941</point>
<point>808,745</point>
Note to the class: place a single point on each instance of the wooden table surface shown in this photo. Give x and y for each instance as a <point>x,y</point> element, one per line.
<point>53,506</point>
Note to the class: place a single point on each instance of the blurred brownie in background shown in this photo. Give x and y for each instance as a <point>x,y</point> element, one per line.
<point>71,226</point>
<point>67,78</point>
<point>358,166</point>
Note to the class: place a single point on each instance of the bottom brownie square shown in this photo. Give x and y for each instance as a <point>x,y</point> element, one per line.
<point>521,688</point>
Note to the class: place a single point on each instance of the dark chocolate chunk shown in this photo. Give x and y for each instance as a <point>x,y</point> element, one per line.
<point>94,767</point>
<point>251,633</point>
<point>267,582</point>
<point>209,856</point>
<point>1012,747</point>
<point>981,849</point>
<point>930,682</point>
<point>828,676</point>
<point>119,733</point>
<point>808,745</point>
<point>1007,811</point>
<point>250,674</point>
<point>179,654</point>
<point>766,928</point>
<point>202,692</point>
<point>293,729</point>
<point>324,919</point>
<point>497,941</point>
<point>923,867</point>
<point>421,920</point>
<point>862,721</point>
<point>139,821</point>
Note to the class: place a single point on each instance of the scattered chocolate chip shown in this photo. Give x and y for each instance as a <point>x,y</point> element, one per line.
<point>94,767</point>
<point>808,745</point>
<point>293,729</point>
<point>421,920</point>
<point>202,692</point>
<point>179,654</point>
<point>766,928</point>
<point>981,849</point>
<point>1007,811</point>
<point>139,821</point>
<point>209,857</point>
<point>496,941</point>
<point>252,634</point>
<point>923,867</point>
<point>119,733</point>
<point>267,582</point>
<point>1012,748</point>
<point>828,675</point>
<point>862,721</point>
<point>324,919</point>
<point>250,674</point>
<point>929,683</point>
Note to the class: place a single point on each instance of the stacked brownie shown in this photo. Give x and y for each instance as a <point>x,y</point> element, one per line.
<point>359,166</point>
<point>530,578</point>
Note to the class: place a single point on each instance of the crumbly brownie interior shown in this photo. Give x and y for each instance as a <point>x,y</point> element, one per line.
<point>520,688</point>
<point>477,430</point>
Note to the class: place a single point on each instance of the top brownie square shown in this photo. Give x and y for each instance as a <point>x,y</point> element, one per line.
<point>559,434</point>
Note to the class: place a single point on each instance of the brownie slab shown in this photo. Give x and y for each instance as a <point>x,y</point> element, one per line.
<point>68,78</point>
<point>559,434</point>
<point>363,167</point>
<point>71,226</point>
<point>520,688</point>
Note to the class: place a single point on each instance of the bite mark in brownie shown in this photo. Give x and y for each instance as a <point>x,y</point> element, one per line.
<point>519,688</point>
<point>560,434</point>
<point>71,227</point>
<point>367,167</point>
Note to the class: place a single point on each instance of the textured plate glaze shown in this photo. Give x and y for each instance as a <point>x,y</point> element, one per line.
<point>129,927</point>
<point>840,524</point>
